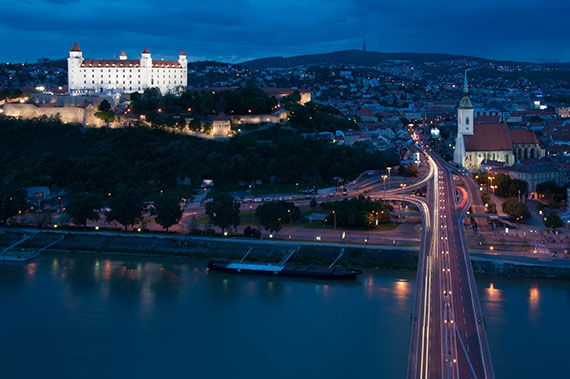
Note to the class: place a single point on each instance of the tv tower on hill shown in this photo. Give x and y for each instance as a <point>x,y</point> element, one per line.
<point>364,43</point>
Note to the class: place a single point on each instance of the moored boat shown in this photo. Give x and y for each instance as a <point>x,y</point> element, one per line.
<point>287,270</point>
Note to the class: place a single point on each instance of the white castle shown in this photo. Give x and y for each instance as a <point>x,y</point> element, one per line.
<point>90,76</point>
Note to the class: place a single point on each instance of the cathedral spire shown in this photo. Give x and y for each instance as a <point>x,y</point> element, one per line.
<point>465,102</point>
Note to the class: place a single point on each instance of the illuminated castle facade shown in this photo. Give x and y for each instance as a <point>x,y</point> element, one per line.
<point>108,76</point>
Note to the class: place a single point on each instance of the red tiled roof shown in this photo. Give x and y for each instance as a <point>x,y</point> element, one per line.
<point>182,53</point>
<point>523,136</point>
<point>127,63</point>
<point>110,63</point>
<point>123,54</point>
<point>145,51</point>
<point>489,137</point>
<point>75,47</point>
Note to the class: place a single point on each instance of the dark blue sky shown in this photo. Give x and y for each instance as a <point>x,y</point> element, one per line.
<point>237,30</point>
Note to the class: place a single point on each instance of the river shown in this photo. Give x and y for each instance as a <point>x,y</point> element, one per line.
<point>89,316</point>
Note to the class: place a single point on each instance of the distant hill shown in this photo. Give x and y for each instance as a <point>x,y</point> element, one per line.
<point>358,58</point>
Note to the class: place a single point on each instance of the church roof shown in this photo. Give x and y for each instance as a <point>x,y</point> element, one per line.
<point>465,102</point>
<point>75,47</point>
<point>489,137</point>
<point>523,136</point>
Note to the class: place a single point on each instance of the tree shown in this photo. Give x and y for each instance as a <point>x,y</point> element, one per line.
<point>223,211</point>
<point>313,203</point>
<point>81,207</point>
<point>408,171</point>
<point>104,106</point>
<point>126,206</point>
<point>516,210</point>
<point>294,97</point>
<point>274,214</point>
<point>553,221</point>
<point>12,201</point>
<point>168,211</point>
<point>358,212</point>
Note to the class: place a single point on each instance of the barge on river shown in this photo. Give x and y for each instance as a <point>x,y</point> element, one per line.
<point>283,269</point>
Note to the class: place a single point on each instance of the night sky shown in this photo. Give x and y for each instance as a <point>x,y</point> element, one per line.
<point>238,30</point>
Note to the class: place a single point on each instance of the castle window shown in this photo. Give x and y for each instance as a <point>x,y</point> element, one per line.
<point>467,121</point>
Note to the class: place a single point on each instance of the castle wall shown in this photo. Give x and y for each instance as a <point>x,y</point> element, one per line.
<point>84,116</point>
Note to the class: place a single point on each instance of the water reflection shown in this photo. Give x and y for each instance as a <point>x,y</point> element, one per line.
<point>494,299</point>
<point>533,302</point>
<point>31,269</point>
<point>118,306</point>
<point>402,289</point>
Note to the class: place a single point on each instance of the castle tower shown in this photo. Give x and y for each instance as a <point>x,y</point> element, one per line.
<point>123,56</point>
<point>182,59</point>
<point>146,69</point>
<point>73,65</point>
<point>465,121</point>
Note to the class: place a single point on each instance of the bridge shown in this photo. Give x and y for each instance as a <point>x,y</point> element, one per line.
<point>448,338</point>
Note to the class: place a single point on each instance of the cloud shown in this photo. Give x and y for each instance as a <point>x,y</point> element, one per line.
<point>229,29</point>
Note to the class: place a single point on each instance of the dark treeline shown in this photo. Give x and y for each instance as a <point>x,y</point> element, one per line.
<point>241,101</point>
<point>10,93</point>
<point>34,152</point>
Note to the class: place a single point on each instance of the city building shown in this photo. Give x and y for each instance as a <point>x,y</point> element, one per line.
<point>221,126</point>
<point>535,172</point>
<point>477,142</point>
<point>123,75</point>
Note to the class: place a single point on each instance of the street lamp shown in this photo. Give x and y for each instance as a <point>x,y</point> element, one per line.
<point>252,217</point>
<point>384,178</point>
<point>289,211</point>
<point>389,169</point>
<point>334,220</point>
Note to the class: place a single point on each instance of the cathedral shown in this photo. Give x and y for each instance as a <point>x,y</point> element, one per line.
<point>476,142</point>
<point>109,76</point>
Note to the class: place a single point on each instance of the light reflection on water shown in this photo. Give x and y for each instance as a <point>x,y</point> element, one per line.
<point>523,325</point>
<point>125,308</point>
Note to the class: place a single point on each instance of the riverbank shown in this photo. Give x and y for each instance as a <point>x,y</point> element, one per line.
<point>269,251</point>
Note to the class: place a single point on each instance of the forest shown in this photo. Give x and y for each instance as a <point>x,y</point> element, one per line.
<point>47,152</point>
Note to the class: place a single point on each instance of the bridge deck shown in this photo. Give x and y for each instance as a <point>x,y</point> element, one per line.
<point>448,337</point>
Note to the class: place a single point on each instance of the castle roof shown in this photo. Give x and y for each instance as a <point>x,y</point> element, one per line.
<point>127,63</point>
<point>145,51</point>
<point>182,53</point>
<point>123,54</point>
<point>489,137</point>
<point>75,47</point>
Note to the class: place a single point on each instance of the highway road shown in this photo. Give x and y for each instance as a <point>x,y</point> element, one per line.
<point>448,338</point>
